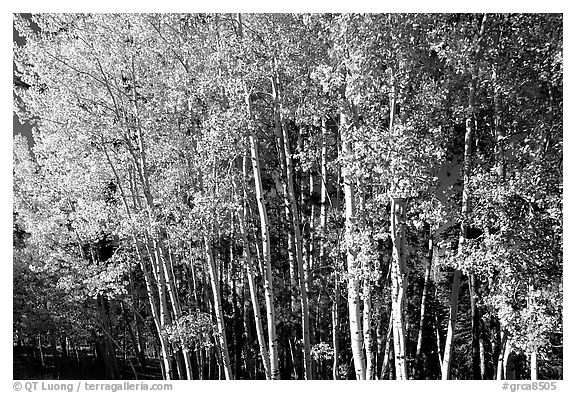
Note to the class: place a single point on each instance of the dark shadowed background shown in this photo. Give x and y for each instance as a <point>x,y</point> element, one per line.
<point>17,127</point>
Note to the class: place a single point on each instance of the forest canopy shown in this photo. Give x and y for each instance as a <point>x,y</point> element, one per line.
<point>288,196</point>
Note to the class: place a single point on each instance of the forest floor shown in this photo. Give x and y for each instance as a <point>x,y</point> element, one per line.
<point>27,365</point>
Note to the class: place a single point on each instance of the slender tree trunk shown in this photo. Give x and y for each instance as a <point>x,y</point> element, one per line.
<point>386,357</point>
<point>264,227</point>
<point>322,250</point>
<point>509,363</point>
<point>497,331</point>
<point>251,283</point>
<point>41,350</point>
<point>465,209</point>
<point>335,329</point>
<point>367,267</point>
<point>475,316</point>
<point>482,352</point>
<point>437,335</point>
<point>292,269</point>
<point>238,328</point>
<point>424,298</point>
<point>149,277</point>
<point>533,365</point>
<point>310,248</point>
<point>504,350</point>
<point>323,192</point>
<point>63,347</point>
<point>164,317</point>
<point>369,337</point>
<point>281,127</point>
<point>282,185</point>
<point>355,316</point>
<point>398,287</point>
<point>399,270</point>
<point>447,358</point>
<point>218,309</point>
<point>249,366</point>
<point>186,368</point>
<point>166,281</point>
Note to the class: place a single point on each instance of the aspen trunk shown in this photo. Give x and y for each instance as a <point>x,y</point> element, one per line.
<point>149,276</point>
<point>310,248</point>
<point>217,303</point>
<point>368,336</point>
<point>534,351</point>
<point>300,263</point>
<point>447,358</point>
<point>176,308</point>
<point>437,333</point>
<point>165,281</point>
<point>475,316</point>
<point>533,365</point>
<point>399,269</point>
<point>398,287</point>
<point>322,250</point>
<point>509,366</point>
<point>282,128</point>
<point>41,350</point>
<point>185,372</point>
<point>293,270</point>
<point>504,349</point>
<point>424,298</point>
<point>465,209</point>
<point>323,192</point>
<point>386,355</point>
<point>482,352</point>
<point>164,317</point>
<point>250,357</point>
<point>355,316</point>
<point>335,329</point>
<point>367,292</point>
<point>283,190</point>
<point>242,219</point>
<point>264,228</point>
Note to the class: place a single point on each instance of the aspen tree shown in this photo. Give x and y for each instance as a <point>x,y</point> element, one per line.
<point>465,210</point>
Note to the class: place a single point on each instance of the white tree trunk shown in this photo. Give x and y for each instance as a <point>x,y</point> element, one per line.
<point>533,365</point>
<point>424,298</point>
<point>398,287</point>
<point>214,281</point>
<point>504,350</point>
<point>355,316</point>
<point>465,207</point>
<point>283,130</point>
<point>266,255</point>
<point>242,219</point>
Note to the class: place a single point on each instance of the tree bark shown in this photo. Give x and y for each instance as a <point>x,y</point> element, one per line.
<point>41,351</point>
<point>504,349</point>
<point>282,128</point>
<point>425,289</point>
<point>149,276</point>
<point>335,330</point>
<point>475,317</point>
<point>533,365</point>
<point>310,245</point>
<point>399,284</point>
<point>283,185</point>
<point>355,316</point>
<point>465,208</point>
<point>386,356</point>
<point>242,219</point>
<point>217,303</point>
<point>264,228</point>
